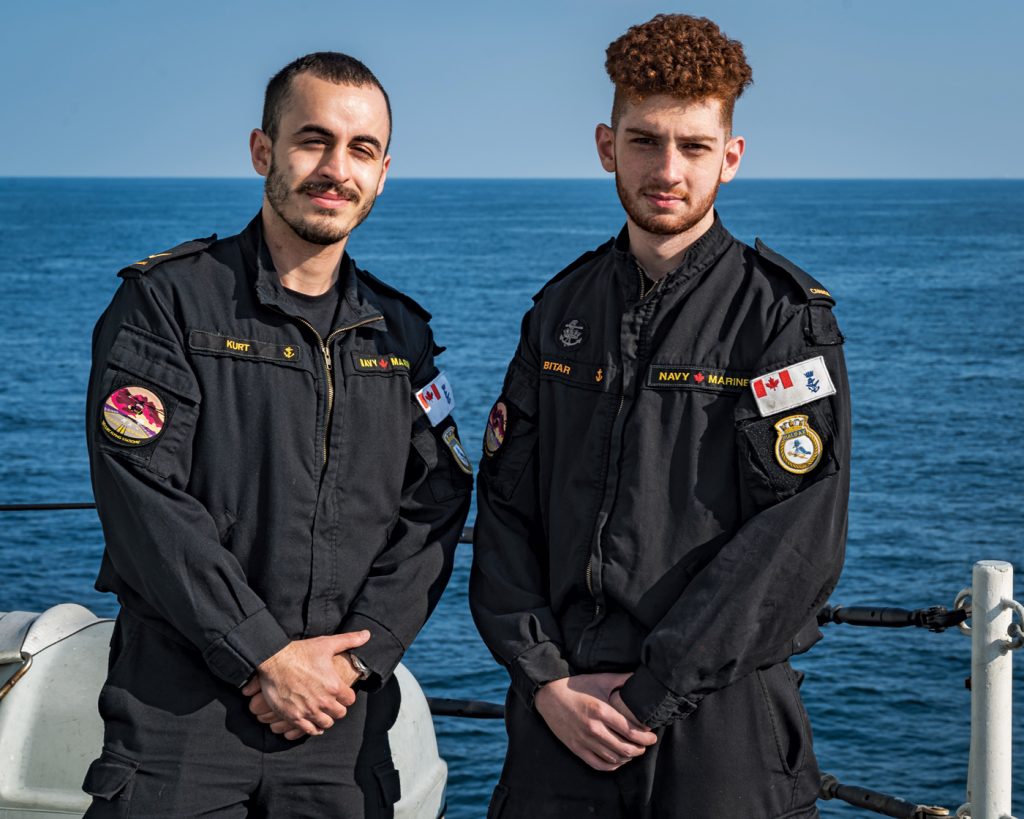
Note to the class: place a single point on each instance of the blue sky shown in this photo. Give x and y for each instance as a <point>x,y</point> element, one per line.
<point>843,88</point>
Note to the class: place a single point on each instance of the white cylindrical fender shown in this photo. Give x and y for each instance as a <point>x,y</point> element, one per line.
<point>49,727</point>
<point>422,772</point>
<point>50,730</point>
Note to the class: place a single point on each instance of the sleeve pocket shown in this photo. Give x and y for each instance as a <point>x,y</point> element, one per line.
<point>521,387</point>
<point>110,777</point>
<point>504,465</point>
<point>140,359</point>
<point>504,469</point>
<point>152,358</point>
<point>767,479</point>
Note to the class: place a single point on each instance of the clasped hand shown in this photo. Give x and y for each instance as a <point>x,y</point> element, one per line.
<point>306,686</point>
<point>587,714</point>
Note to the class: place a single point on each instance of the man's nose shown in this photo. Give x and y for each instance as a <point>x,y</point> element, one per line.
<point>670,166</point>
<point>335,164</point>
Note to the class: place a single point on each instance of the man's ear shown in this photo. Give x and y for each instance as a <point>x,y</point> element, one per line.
<point>731,159</point>
<point>383,173</point>
<point>260,146</point>
<point>604,136</point>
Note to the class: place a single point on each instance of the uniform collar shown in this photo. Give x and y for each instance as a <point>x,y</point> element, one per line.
<point>698,257</point>
<point>356,306</point>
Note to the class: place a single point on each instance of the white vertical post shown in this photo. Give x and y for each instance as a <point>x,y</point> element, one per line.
<point>990,774</point>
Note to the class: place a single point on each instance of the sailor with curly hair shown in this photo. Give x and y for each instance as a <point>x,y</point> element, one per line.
<point>664,484</point>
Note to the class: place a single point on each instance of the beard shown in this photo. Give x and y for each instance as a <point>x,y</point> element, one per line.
<point>325,228</point>
<point>664,224</point>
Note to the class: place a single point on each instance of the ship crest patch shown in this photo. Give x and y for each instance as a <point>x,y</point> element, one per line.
<point>797,446</point>
<point>451,440</point>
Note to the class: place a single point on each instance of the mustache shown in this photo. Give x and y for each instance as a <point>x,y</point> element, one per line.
<point>326,187</point>
<point>658,192</point>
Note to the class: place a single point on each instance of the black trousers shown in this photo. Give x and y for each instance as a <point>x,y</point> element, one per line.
<point>744,754</point>
<point>179,742</point>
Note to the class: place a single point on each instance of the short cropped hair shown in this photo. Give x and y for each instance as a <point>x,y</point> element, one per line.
<point>332,66</point>
<point>685,57</point>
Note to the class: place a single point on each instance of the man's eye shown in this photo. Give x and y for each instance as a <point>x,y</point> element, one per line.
<point>643,141</point>
<point>695,146</point>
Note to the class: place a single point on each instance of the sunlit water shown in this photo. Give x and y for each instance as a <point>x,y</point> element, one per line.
<point>929,279</point>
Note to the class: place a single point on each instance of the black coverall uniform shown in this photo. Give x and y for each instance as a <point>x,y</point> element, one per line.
<point>259,484</point>
<point>640,511</point>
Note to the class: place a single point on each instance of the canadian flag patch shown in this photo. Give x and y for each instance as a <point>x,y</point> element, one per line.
<point>792,386</point>
<point>436,399</point>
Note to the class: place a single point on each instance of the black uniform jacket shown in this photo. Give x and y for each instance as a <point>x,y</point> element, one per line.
<point>293,488</point>
<point>633,511</point>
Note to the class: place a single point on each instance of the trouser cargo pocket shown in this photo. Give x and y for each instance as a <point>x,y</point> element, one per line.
<point>109,781</point>
<point>389,784</point>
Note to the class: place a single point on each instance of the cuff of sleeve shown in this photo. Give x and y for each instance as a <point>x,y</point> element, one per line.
<point>651,702</point>
<point>380,655</point>
<point>537,666</point>
<point>234,656</point>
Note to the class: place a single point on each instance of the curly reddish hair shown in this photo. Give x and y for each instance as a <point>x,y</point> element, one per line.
<point>679,55</point>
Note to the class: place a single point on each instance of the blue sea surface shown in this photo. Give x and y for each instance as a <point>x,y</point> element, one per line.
<point>929,279</point>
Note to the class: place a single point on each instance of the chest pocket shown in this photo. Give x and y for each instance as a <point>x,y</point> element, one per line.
<point>373,406</point>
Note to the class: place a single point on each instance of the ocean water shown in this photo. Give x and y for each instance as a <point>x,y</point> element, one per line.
<point>929,278</point>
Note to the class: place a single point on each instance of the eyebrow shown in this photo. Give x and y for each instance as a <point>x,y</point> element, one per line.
<point>313,128</point>
<point>369,139</point>
<point>685,138</point>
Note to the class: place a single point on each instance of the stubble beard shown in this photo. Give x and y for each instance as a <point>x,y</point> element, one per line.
<point>323,230</point>
<point>663,224</point>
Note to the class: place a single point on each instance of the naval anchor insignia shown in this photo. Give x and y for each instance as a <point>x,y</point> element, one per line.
<point>573,334</point>
<point>798,447</point>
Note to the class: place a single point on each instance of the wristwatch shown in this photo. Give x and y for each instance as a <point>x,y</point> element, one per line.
<point>361,668</point>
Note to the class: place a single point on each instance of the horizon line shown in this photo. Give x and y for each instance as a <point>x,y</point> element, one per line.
<point>86,177</point>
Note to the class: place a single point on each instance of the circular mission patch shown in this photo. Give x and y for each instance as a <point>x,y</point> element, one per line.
<point>494,435</point>
<point>133,415</point>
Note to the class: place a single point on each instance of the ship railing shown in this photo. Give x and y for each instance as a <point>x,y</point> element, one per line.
<point>996,630</point>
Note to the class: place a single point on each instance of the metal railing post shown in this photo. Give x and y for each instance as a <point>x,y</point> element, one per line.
<point>990,774</point>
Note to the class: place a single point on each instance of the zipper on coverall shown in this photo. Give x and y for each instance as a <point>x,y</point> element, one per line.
<point>325,352</point>
<point>644,294</point>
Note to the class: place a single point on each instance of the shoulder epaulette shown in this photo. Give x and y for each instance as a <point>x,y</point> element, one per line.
<point>582,260</point>
<point>811,287</point>
<point>387,289</point>
<point>185,249</point>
